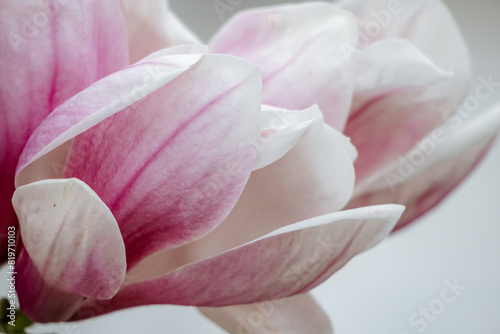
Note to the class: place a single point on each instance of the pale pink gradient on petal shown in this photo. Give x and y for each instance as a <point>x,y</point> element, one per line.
<point>96,103</point>
<point>294,315</point>
<point>171,164</point>
<point>49,53</point>
<point>315,177</point>
<point>433,168</point>
<point>400,96</point>
<point>427,24</point>
<point>298,50</point>
<point>152,26</point>
<point>288,261</point>
<point>74,246</point>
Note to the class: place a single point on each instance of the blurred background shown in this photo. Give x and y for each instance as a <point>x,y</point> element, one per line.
<point>379,291</point>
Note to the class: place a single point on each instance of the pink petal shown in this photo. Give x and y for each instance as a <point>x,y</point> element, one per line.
<point>298,50</point>
<point>400,96</point>
<point>288,261</point>
<point>294,315</point>
<point>152,26</point>
<point>172,165</point>
<point>72,248</point>
<point>433,168</point>
<point>49,53</point>
<point>414,21</point>
<point>313,178</point>
<point>96,103</point>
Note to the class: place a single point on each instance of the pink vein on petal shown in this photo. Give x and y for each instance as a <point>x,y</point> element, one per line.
<point>179,129</point>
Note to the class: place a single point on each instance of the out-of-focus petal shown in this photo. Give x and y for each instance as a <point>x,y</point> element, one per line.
<point>432,169</point>
<point>74,246</point>
<point>291,260</point>
<point>172,165</point>
<point>152,26</point>
<point>294,315</point>
<point>50,51</point>
<point>298,48</point>
<point>314,178</point>
<point>415,21</point>
<point>400,96</point>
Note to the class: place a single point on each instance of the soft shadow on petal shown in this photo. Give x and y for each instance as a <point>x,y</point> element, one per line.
<point>50,51</point>
<point>427,24</point>
<point>171,164</point>
<point>315,177</point>
<point>294,315</point>
<point>400,96</point>
<point>433,168</point>
<point>72,248</point>
<point>151,26</point>
<point>298,48</point>
<point>291,260</point>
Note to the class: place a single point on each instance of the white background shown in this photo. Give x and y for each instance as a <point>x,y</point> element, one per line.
<point>379,290</point>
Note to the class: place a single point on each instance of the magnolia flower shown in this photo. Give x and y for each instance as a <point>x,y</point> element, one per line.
<point>167,182</point>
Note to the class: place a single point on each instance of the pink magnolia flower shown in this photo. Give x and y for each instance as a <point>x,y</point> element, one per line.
<point>167,182</point>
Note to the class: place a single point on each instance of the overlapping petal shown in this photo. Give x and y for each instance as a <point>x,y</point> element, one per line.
<point>151,26</point>
<point>315,177</point>
<point>400,96</point>
<point>171,163</point>
<point>427,24</point>
<point>435,166</point>
<point>298,48</point>
<point>50,51</point>
<point>72,248</point>
<point>295,315</point>
<point>291,260</point>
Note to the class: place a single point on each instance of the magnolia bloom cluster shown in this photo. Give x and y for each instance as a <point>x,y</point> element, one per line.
<point>143,167</point>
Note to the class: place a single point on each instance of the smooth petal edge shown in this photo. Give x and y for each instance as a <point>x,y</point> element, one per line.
<point>49,200</point>
<point>377,221</point>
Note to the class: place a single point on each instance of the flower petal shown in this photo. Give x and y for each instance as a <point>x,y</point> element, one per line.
<point>96,103</point>
<point>172,165</point>
<point>152,26</point>
<point>50,51</point>
<point>281,129</point>
<point>414,21</point>
<point>74,246</point>
<point>298,50</point>
<point>294,315</point>
<point>313,178</point>
<point>288,261</point>
<point>433,168</point>
<point>400,96</point>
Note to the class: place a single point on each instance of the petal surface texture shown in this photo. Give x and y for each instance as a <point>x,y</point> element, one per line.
<point>315,177</point>
<point>168,144</point>
<point>50,51</point>
<point>295,315</point>
<point>288,261</point>
<point>72,248</point>
<point>298,50</point>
